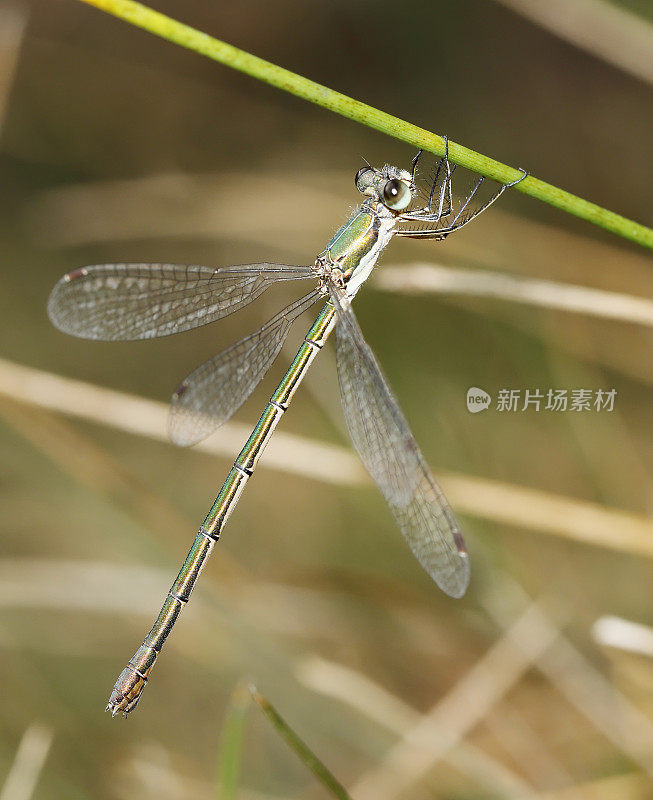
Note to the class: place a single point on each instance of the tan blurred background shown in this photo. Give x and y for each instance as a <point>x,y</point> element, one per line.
<point>116,146</point>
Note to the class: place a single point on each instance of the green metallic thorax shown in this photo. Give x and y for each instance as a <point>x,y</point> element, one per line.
<point>351,243</point>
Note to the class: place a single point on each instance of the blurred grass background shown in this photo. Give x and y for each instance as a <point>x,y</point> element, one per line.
<point>118,147</point>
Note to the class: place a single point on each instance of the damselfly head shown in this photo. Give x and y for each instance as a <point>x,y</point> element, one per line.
<point>390,185</point>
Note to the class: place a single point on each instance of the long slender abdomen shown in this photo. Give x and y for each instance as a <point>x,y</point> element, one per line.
<point>132,680</point>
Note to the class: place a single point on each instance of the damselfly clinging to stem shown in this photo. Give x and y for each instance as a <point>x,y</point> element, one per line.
<point>141,301</point>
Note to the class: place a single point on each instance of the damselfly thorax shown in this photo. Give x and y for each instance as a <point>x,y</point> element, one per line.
<point>350,256</point>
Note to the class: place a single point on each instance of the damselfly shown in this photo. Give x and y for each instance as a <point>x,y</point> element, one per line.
<point>141,301</point>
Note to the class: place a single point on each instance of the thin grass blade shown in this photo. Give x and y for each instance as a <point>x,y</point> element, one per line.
<point>174,31</point>
<point>304,753</point>
<point>231,745</point>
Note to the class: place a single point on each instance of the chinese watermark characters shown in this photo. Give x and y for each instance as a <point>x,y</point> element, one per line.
<point>556,400</point>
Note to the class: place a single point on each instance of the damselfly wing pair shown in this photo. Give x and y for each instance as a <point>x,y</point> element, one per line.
<point>114,302</point>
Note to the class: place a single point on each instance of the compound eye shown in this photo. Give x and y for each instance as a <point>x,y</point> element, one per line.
<point>360,173</point>
<point>396,195</point>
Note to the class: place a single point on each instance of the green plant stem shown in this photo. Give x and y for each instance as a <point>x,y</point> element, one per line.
<point>174,31</point>
<point>326,778</point>
<point>231,744</point>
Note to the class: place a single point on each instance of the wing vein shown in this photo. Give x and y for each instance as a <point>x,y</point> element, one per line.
<point>217,388</point>
<point>112,302</point>
<point>391,455</point>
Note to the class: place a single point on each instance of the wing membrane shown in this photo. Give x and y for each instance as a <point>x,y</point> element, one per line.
<point>391,455</point>
<point>140,301</point>
<point>216,389</point>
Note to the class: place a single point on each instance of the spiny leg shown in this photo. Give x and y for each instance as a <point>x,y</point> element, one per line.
<point>446,184</point>
<point>440,233</point>
<point>445,189</point>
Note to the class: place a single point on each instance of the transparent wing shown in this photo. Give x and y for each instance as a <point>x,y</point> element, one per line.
<point>216,389</point>
<point>391,455</point>
<point>140,301</point>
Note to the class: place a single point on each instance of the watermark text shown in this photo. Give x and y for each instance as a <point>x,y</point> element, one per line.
<point>556,400</point>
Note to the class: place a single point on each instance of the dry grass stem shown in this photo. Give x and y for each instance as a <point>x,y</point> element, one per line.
<point>28,763</point>
<point>630,786</point>
<point>83,586</point>
<point>289,453</point>
<point>439,730</point>
<point>623,634</point>
<point>434,279</point>
<point>500,502</point>
<point>587,690</point>
<point>604,29</point>
<point>360,692</point>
